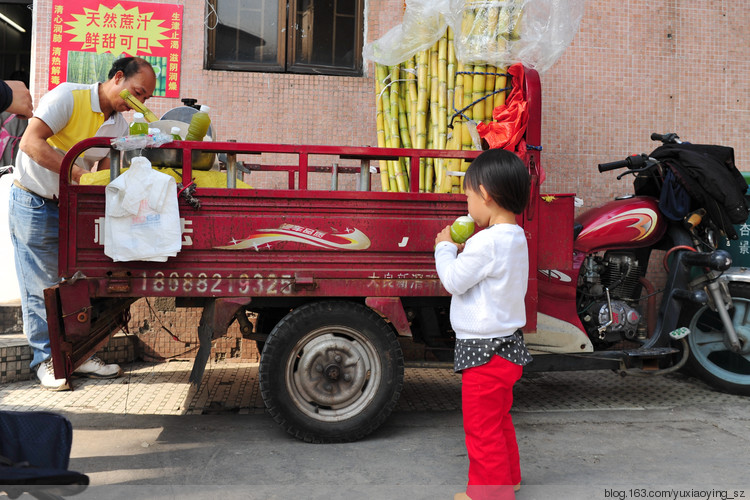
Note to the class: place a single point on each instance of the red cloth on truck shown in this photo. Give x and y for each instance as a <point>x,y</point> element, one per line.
<point>510,118</point>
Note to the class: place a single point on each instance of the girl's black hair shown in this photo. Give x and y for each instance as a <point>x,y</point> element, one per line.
<point>503,175</point>
<point>129,66</point>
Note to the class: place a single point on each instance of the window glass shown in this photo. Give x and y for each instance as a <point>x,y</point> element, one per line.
<point>322,36</point>
<point>247,30</point>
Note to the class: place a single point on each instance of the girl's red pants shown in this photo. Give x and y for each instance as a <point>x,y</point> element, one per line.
<point>487,395</point>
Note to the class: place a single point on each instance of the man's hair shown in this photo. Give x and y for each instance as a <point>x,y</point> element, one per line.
<point>504,177</point>
<point>129,66</point>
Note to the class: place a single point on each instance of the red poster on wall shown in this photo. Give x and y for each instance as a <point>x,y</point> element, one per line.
<point>87,35</point>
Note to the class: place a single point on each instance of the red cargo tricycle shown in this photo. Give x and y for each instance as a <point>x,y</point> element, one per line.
<point>333,278</point>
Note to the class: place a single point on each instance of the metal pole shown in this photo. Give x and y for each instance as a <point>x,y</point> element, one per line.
<point>335,177</point>
<point>232,169</point>
<point>114,164</point>
<point>364,176</point>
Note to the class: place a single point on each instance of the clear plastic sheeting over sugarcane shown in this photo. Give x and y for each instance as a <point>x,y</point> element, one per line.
<point>534,33</point>
<point>444,70</point>
<point>500,33</point>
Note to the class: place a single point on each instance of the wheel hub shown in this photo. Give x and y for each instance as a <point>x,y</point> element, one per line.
<point>331,371</point>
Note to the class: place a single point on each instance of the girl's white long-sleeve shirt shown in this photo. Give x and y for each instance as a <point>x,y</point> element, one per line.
<point>488,282</point>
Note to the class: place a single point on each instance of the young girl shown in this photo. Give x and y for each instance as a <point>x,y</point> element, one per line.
<point>487,277</point>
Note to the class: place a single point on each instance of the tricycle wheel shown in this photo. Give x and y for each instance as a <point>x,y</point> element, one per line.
<point>331,371</point>
<point>710,356</point>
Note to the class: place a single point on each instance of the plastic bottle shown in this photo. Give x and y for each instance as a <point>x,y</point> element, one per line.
<point>139,125</point>
<point>175,131</point>
<point>462,229</point>
<point>199,124</point>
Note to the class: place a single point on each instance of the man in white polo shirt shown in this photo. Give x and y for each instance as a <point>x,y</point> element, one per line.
<point>66,115</point>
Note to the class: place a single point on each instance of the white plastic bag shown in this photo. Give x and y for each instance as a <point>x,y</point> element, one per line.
<point>142,218</point>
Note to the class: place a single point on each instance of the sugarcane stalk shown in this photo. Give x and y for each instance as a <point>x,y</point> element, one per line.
<point>515,20</point>
<point>423,165</point>
<point>458,103</point>
<point>380,71</point>
<point>503,27</point>
<point>434,91</point>
<point>451,96</point>
<point>451,72</point>
<point>500,83</point>
<point>466,142</point>
<point>478,92</point>
<point>411,85</point>
<point>382,75</point>
<point>442,93</point>
<point>434,113</point>
<point>392,176</point>
<point>423,97</point>
<point>489,88</point>
<point>455,136</point>
<point>402,179</point>
<point>403,122</point>
<point>468,20</point>
<point>441,129</point>
<point>479,30</point>
<point>444,182</point>
<point>429,170</point>
<point>493,14</point>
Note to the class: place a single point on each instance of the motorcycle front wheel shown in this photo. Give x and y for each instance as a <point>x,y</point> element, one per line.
<point>710,356</point>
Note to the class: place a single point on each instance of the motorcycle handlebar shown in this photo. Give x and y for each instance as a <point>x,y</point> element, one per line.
<point>632,162</point>
<point>670,138</point>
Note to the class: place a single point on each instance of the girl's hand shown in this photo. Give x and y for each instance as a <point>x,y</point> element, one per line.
<point>445,235</point>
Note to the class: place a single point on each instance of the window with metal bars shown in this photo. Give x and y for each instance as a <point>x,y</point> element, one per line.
<point>286,36</point>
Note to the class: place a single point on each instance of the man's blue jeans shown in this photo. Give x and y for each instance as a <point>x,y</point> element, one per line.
<point>34,228</point>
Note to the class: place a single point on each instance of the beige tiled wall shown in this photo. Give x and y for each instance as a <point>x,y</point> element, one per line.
<point>635,67</point>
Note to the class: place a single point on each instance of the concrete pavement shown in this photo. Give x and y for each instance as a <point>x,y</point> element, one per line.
<point>581,435</point>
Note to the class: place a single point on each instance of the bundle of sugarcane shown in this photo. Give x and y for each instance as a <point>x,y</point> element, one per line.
<point>432,101</point>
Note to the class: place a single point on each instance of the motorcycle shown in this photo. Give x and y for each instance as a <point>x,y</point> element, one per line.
<point>606,303</point>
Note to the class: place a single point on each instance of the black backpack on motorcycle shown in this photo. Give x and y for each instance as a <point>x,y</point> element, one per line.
<point>712,180</point>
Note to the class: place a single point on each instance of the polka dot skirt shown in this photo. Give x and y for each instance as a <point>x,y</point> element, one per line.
<point>476,352</point>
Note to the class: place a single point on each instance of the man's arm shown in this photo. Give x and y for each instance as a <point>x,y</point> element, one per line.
<point>17,98</point>
<point>34,144</point>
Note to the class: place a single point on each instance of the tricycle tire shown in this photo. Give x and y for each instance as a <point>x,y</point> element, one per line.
<point>331,371</point>
<point>710,356</point>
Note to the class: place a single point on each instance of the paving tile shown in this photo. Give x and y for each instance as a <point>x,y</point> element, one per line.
<point>232,387</point>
